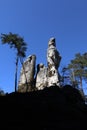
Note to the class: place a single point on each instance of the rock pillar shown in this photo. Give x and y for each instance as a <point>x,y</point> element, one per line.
<point>26,81</point>
<point>53,62</point>
<point>41,77</point>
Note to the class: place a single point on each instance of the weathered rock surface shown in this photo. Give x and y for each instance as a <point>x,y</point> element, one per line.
<point>45,76</point>
<point>49,76</point>
<point>53,56</point>
<point>53,61</point>
<point>26,81</point>
<point>41,77</point>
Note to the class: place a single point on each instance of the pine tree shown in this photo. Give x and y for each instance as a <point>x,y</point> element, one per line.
<point>78,67</point>
<point>16,42</point>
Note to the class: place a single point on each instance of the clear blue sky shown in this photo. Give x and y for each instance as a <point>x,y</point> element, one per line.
<point>37,21</point>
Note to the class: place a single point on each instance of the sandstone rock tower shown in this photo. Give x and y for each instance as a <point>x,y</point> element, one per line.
<point>53,61</point>
<point>45,76</point>
<point>26,81</point>
<point>41,77</point>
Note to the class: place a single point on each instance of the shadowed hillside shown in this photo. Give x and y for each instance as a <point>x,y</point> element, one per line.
<point>48,109</point>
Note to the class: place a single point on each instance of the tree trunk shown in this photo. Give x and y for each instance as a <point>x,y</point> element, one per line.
<point>80,82</point>
<point>16,74</point>
<point>81,87</point>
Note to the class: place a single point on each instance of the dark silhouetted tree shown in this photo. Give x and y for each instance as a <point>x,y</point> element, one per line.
<point>1,92</point>
<point>68,77</point>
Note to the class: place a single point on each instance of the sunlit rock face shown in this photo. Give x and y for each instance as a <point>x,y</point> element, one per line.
<point>53,62</point>
<point>41,77</point>
<point>49,76</point>
<point>27,74</point>
<point>45,76</point>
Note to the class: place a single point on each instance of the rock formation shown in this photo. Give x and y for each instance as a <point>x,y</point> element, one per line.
<point>53,61</point>
<point>45,76</point>
<point>41,77</point>
<point>26,81</point>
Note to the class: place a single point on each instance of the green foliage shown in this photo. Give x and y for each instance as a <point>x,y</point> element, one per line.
<point>78,68</point>
<point>68,77</point>
<point>16,42</point>
<point>76,72</point>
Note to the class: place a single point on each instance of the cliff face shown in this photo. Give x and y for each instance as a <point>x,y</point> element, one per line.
<point>44,76</point>
<point>51,109</point>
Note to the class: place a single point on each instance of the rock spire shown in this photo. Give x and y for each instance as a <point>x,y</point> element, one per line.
<point>44,76</point>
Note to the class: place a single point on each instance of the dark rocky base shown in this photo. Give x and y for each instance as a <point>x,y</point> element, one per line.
<point>50,109</point>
